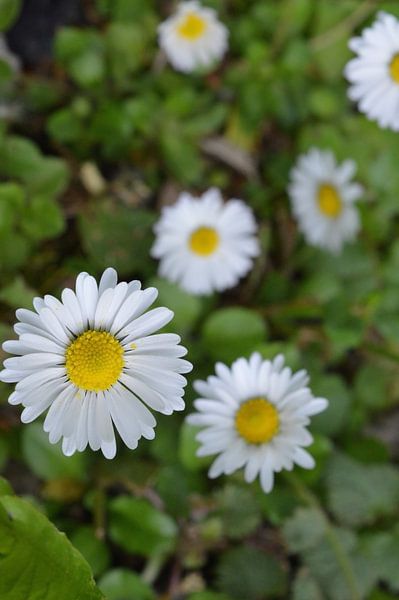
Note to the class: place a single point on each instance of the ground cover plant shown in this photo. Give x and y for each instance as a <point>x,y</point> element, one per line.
<point>239,160</point>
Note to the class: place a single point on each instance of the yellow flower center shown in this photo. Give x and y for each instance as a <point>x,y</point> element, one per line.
<point>329,200</point>
<point>257,421</point>
<point>191,27</point>
<point>94,360</point>
<point>394,68</point>
<point>204,241</point>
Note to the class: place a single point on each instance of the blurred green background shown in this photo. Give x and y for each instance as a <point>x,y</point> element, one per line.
<point>97,133</point>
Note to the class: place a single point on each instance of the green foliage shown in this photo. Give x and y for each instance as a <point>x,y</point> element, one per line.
<point>113,234</point>
<point>52,568</point>
<point>232,332</point>
<point>139,527</point>
<point>248,573</point>
<point>359,494</point>
<point>47,460</point>
<point>122,584</point>
<point>9,10</point>
<point>108,98</point>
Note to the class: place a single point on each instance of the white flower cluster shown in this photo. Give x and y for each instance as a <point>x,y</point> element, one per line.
<point>94,360</point>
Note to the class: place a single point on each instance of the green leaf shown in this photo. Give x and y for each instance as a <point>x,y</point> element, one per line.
<point>251,574</point>
<point>115,235</point>
<point>43,218</point>
<point>239,511</point>
<point>304,529</point>
<point>36,560</point>
<point>5,488</point>
<point>233,332</point>
<point>121,584</point>
<point>187,308</point>
<point>188,447</point>
<point>306,588</point>
<point>359,494</point>
<point>17,294</point>
<point>47,460</point>
<point>382,551</point>
<point>140,528</point>
<point>9,11</point>
<point>206,595</point>
<point>332,420</point>
<point>94,550</point>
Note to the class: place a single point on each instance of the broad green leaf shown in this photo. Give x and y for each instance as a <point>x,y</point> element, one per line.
<point>36,560</point>
<point>17,294</point>
<point>95,551</point>
<point>239,511</point>
<point>245,572</point>
<point>304,529</point>
<point>140,528</point>
<point>47,460</point>
<point>187,308</point>
<point>123,584</point>
<point>188,447</point>
<point>113,234</point>
<point>359,494</point>
<point>229,333</point>
<point>9,10</point>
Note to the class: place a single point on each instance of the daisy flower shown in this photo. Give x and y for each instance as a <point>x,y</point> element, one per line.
<point>91,359</point>
<point>322,198</point>
<point>255,416</point>
<point>204,244</point>
<point>192,37</point>
<point>374,74</point>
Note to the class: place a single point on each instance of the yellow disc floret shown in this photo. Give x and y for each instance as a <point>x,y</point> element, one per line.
<point>94,360</point>
<point>204,241</point>
<point>191,27</point>
<point>394,68</point>
<point>329,201</point>
<point>257,421</point>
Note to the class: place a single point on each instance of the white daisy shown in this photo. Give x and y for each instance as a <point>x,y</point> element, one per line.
<point>92,361</point>
<point>374,74</point>
<point>255,416</point>
<point>322,198</point>
<point>193,37</point>
<point>204,244</point>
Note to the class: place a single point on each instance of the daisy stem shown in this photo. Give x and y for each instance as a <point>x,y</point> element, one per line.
<point>153,567</point>
<point>333,35</point>
<point>343,560</point>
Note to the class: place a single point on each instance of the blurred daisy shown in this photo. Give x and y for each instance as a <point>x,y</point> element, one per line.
<point>193,37</point>
<point>374,74</point>
<point>255,416</point>
<point>322,198</point>
<point>204,244</point>
<point>92,361</point>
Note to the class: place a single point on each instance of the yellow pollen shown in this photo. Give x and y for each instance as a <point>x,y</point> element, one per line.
<point>394,68</point>
<point>204,241</point>
<point>257,421</point>
<point>192,26</point>
<point>329,200</point>
<point>94,360</point>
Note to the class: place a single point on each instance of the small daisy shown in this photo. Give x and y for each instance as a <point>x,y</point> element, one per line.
<point>92,361</point>
<point>322,198</point>
<point>204,244</point>
<point>374,74</point>
<point>255,416</point>
<point>193,37</point>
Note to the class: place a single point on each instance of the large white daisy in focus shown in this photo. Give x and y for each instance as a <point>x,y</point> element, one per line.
<point>193,37</point>
<point>255,416</point>
<point>323,199</point>
<point>205,244</point>
<point>374,73</point>
<point>93,361</point>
